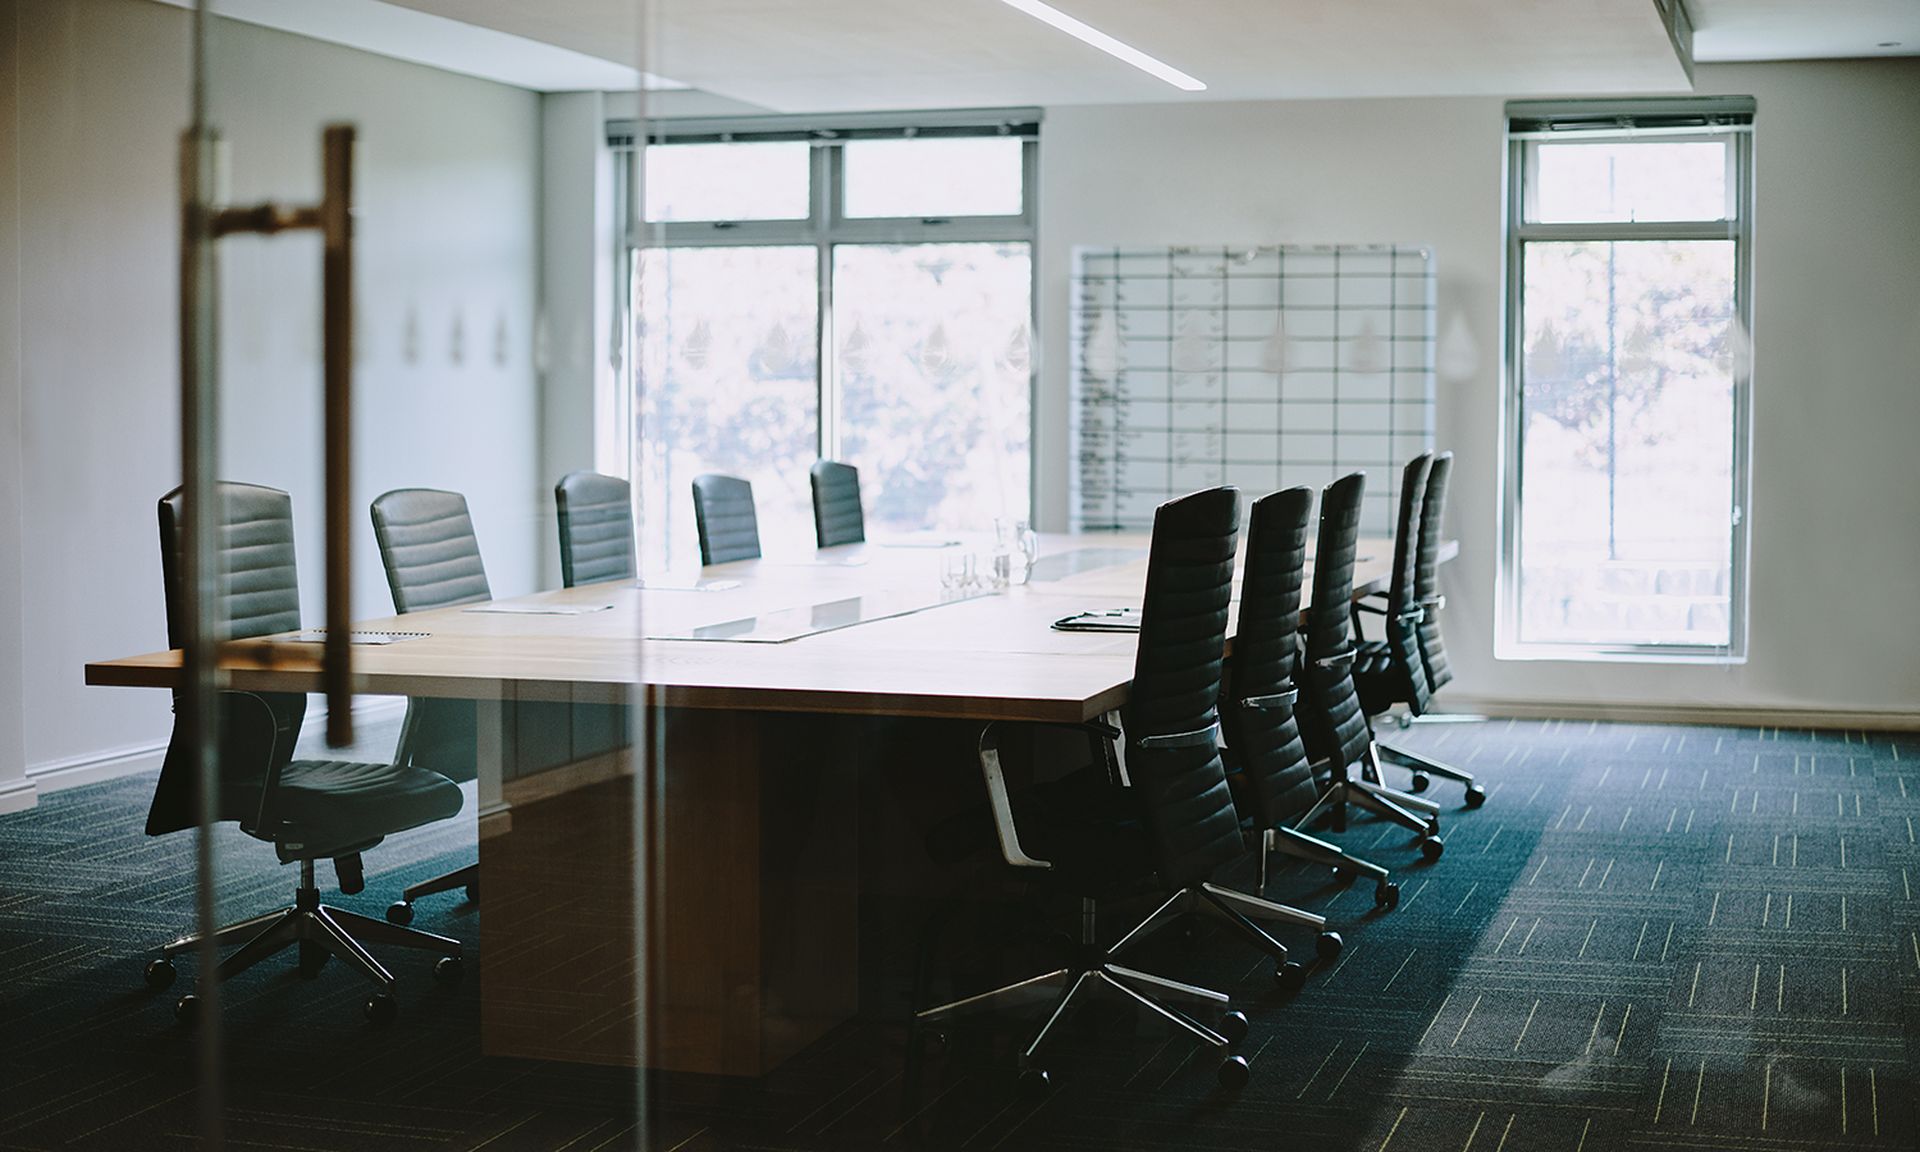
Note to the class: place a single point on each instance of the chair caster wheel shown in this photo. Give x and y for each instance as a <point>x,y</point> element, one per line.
<point>1034,1083</point>
<point>1329,945</point>
<point>1290,976</point>
<point>447,969</point>
<point>1420,782</point>
<point>1476,795</point>
<point>381,1009</point>
<point>1234,1072</point>
<point>159,973</point>
<point>187,1010</point>
<point>1233,1025</point>
<point>1386,894</point>
<point>473,892</point>
<point>1431,847</point>
<point>400,912</point>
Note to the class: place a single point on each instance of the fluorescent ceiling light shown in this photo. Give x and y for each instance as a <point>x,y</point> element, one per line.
<point>1087,33</point>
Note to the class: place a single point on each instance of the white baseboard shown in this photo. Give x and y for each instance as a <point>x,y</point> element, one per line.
<point>1728,715</point>
<point>93,767</point>
<point>18,796</point>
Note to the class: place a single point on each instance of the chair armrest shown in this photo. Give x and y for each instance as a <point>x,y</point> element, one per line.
<point>1285,699</point>
<point>1208,735</point>
<point>253,719</point>
<point>1339,659</point>
<point>1434,602</point>
<point>1003,823</point>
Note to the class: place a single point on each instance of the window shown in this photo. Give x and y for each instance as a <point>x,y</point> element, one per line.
<point>844,288</point>
<point>1626,411</point>
<point>727,182</point>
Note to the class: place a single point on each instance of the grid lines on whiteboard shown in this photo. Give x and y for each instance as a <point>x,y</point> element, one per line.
<point>1263,367</point>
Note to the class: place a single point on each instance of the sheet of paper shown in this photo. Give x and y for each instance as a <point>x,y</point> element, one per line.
<point>319,636</point>
<point>514,609</point>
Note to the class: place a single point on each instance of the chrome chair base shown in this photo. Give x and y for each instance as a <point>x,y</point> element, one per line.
<point>1179,1004</point>
<point>401,910</point>
<point>322,932</point>
<point>1424,767</point>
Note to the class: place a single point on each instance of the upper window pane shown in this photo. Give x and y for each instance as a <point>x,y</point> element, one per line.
<point>727,181</point>
<point>1625,181</point>
<point>965,176</point>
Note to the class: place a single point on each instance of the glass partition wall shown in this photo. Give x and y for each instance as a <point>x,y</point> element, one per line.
<point>423,868</point>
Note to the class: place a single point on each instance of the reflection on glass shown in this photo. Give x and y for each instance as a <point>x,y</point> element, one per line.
<point>727,181</point>
<point>978,176</point>
<point>1627,528</point>
<point>727,384</point>
<point>1622,181</point>
<point>935,396</point>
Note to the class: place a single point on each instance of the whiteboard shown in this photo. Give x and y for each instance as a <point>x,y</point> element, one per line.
<point>1263,367</point>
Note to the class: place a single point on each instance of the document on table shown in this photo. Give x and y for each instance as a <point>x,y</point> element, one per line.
<point>918,540</point>
<point>319,636</point>
<point>513,609</point>
<point>782,625</point>
<point>665,583</point>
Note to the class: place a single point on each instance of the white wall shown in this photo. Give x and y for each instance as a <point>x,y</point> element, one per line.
<point>447,217</point>
<point>15,791</point>
<point>1836,362</point>
<point>576,290</point>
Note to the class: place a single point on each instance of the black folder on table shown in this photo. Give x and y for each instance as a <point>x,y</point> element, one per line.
<point>1100,620</point>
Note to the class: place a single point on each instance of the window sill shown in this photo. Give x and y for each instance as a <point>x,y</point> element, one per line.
<point>1604,654</point>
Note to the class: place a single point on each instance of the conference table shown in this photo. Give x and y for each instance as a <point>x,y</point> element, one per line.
<point>686,780</point>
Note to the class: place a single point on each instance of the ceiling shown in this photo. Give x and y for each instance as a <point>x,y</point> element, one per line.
<point>846,55</point>
<point>1803,29</point>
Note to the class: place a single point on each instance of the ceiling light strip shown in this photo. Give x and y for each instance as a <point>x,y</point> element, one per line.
<point>1088,34</point>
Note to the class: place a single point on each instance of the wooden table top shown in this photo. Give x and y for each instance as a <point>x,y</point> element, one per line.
<point>991,657</point>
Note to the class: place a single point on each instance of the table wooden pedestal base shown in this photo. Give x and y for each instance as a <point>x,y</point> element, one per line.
<point>750,825</point>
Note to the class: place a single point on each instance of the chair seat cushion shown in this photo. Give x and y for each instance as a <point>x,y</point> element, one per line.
<point>327,807</point>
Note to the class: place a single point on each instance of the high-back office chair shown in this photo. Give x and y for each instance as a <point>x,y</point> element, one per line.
<point>1388,671</point>
<point>723,513</point>
<point>1415,660</point>
<point>1174,823</point>
<point>837,516</point>
<point>1274,783</point>
<point>1332,721</point>
<point>308,809</point>
<point>432,559</point>
<point>596,528</point>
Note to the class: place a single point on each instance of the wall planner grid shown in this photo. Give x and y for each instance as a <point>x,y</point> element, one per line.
<point>1264,367</point>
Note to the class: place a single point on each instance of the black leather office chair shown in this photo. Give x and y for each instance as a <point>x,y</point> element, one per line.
<point>1171,824</point>
<point>1427,574</point>
<point>723,513</point>
<point>596,528</point>
<point>1332,721</point>
<point>1273,782</point>
<point>308,809</point>
<point>1392,671</point>
<point>837,516</point>
<point>432,560</point>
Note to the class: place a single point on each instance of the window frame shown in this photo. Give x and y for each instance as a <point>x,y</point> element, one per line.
<point>826,226</point>
<point>1728,119</point>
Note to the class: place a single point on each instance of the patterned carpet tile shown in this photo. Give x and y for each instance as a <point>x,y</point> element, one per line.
<point>1650,937</point>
